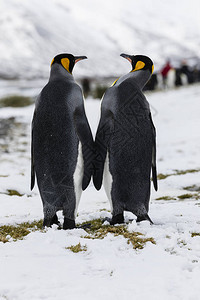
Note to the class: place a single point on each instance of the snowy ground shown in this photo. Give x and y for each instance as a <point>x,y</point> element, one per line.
<point>40,266</point>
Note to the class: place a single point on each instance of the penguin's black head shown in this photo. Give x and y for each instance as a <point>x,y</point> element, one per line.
<point>67,61</point>
<point>139,62</point>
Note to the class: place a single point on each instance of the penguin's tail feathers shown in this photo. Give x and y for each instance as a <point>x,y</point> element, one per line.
<point>98,171</point>
<point>154,176</point>
<point>32,185</point>
<point>98,179</point>
<point>86,181</point>
<point>32,178</point>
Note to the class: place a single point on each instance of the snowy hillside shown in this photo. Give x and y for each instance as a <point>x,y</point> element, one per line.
<point>40,266</point>
<point>33,32</point>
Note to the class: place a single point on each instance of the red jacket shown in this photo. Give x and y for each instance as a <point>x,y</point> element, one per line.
<point>165,70</point>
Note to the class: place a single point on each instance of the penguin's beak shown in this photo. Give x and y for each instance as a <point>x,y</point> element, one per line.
<point>127,56</point>
<point>77,58</point>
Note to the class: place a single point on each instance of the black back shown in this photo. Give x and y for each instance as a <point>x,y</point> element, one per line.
<point>59,124</point>
<point>127,133</point>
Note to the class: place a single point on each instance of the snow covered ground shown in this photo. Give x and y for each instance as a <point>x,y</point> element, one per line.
<point>40,266</point>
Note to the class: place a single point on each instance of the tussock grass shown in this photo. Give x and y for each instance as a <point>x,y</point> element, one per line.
<point>104,209</point>
<point>161,176</point>
<point>195,196</point>
<point>100,231</point>
<point>19,231</point>
<point>166,198</point>
<point>14,193</point>
<point>192,188</point>
<point>96,231</point>
<point>193,234</point>
<point>15,101</point>
<point>77,248</point>
<point>185,196</point>
<point>183,172</point>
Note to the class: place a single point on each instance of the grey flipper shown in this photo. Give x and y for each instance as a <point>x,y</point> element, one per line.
<point>32,159</point>
<point>154,171</point>
<point>104,132</point>
<point>86,139</point>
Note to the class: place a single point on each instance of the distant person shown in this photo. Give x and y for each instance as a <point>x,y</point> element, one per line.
<point>164,72</point>
<point>178,80</point>
<point>196,73</point>
<point>186,70</point>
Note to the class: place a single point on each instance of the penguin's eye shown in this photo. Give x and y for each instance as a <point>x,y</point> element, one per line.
<point>65,63</point>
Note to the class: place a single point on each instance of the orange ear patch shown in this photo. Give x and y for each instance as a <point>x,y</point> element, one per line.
<point>139,65</point>
<point>65,63</point>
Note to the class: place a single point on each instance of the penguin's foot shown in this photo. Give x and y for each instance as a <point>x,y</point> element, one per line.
<point>68,224</point>
<point>118,219</point>
<point>47,223</point>
<point>144,218</point>
<point>55,220</point>
<point>50,222</point>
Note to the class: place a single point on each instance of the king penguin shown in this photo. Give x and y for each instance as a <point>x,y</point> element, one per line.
<point>125,143</point>
<point>62,143</point>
